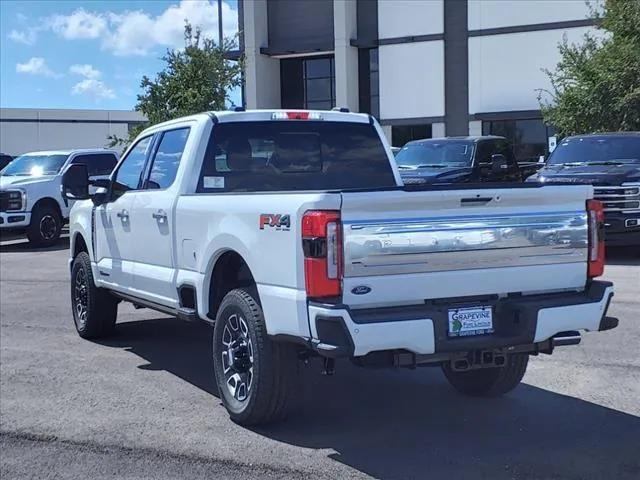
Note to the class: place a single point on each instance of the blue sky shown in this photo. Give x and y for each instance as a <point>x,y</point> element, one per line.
<point>92,54</point>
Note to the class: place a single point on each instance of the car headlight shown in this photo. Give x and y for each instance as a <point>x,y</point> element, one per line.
<point>631,188</point>
<point>16,200</point>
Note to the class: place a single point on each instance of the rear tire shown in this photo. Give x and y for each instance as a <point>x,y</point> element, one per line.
<point>489,382</point>
<point>45,227</point>
<point>254,374</point>
<point>94,309</point>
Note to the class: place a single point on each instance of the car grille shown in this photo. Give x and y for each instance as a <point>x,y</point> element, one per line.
<point>619,199</point>
<point>4,201</point>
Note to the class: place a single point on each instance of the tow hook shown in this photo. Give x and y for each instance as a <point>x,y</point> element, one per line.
<point>328,366</point>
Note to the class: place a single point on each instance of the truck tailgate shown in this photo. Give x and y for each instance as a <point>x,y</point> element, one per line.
<point>411,246</point>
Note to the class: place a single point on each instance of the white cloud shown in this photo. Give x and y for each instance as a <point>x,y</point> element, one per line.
<point>136,32</point>
<point>28,36</point>
<point>36,66</point>
<point>93,88</point>
<point>79,25</point>
<point>86,71</point>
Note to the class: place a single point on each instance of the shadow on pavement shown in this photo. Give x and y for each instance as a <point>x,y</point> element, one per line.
<point>410,424</point>
<point>25,246</point>
<point>623,256</point>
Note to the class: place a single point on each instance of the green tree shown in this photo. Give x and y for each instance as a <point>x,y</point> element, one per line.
<point>596,85</point>
<point>193,80</point>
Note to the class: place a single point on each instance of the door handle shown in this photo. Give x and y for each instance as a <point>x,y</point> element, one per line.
<point>123,215</point>
<point>160,216</point>
<point>474,200</point>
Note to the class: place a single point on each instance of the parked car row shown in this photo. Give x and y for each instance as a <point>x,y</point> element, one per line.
<point>30,198</point>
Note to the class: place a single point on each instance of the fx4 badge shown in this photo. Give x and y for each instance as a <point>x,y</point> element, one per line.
<point>275,220</point>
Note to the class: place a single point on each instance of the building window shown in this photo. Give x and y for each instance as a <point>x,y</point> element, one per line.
<point>402,134</point>
<point>319,84</point>
<point>529,137</point>
<point>368,79</point>
<point>308,83</point>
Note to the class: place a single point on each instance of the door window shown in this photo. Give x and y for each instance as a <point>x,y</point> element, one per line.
<point>167,159</point>
<point>485,150</point>
<point>130,170</point>
<point>97,164</point>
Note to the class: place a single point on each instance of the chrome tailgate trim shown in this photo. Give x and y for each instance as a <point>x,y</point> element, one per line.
<point>433,244</point>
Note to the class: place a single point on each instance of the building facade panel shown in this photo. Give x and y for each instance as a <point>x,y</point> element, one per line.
<point>402,18</point>
<point>412,80</point>
<point>503,78</point>
<point>26,130</point>
<point>296,26</point>
<point>485,14</point>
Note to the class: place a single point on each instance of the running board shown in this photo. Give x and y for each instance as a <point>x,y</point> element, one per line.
<point>183,313</point>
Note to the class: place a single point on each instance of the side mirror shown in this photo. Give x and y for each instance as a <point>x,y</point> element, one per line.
<point>75,182</point>
<point>498,163</point>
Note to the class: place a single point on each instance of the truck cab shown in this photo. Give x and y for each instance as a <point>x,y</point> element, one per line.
<point>611,163</point>
<point>292,233</point>
<point>30,198</point>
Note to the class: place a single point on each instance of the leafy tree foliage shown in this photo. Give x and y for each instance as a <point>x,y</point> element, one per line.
<point>596,84</point>
<point>196,79</point>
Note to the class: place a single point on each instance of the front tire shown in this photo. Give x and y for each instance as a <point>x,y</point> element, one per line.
<point>489,382</point>
<point>254,374</point>
<point>94,309</point>
<point>45,227</point>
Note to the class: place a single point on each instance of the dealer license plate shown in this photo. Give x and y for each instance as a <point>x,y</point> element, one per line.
<point>464,322</point>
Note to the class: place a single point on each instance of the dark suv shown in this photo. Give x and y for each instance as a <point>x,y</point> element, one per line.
<point>459,159</point>
<point>611,163</point>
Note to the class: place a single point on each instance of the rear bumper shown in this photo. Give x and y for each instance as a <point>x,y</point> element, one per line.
<point>338,331</point>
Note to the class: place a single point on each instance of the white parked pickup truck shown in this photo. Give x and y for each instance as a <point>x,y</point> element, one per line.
<point>30,198</point>
<point>291,233</point>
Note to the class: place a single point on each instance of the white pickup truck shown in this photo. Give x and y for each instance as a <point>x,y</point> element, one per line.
<point>30,198</point>
<point>291,232</point>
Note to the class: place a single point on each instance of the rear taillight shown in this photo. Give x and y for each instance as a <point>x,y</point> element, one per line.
<point>595,214</point>
<point>322,245</point>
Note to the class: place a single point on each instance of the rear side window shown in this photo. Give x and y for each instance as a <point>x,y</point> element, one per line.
<point>167,158</point>
<point>97,164</point>
<point>294,155</point>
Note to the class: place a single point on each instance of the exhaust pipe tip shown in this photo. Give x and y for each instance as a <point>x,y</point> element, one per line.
<point>564,339</point>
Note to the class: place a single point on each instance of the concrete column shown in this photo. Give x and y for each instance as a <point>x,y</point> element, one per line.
<point>262,73</point>
<point>346,57</point>
<point>387,133</point>
<point>437,130</point>
<point>475,128</point>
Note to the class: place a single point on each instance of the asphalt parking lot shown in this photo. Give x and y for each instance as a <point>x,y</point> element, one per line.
<point>143,404</point>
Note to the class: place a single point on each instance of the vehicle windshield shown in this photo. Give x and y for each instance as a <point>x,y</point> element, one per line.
<point>35,165</point>
<point>435,154</point>
<point>597,150</point>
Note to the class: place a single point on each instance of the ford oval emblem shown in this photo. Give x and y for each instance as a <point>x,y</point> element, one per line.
<point>360,290</point>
